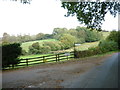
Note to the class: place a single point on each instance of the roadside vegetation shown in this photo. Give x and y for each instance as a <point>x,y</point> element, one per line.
<point>61,40</point>
<point>111,43</point>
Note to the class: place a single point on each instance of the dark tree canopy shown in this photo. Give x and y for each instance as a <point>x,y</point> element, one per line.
<point>91,13</point>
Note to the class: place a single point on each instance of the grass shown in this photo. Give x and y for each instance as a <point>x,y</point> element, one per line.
<point>85,46</point>
<point>32,56</point>
<point>105,34</point>
<point>25,46</point>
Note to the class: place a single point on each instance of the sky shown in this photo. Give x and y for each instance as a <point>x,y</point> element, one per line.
<point>41,16</point>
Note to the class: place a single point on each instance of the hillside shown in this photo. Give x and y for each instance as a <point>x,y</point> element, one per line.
<point>25,45</point>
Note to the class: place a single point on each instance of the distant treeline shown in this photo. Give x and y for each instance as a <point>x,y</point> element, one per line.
<point>79,35</point>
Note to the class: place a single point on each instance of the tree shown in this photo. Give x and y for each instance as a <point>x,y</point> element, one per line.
<point>10,54</point>
<point>91,13</point>
<point>39,36</point>
<point>73,32</point>
<point>47,36</point>
<point>45,49</point>
<point>36,45</point>
<point>57,32</point>
<point>114,36</point>
<point>68,40</point>
<point>13,39</point>
<point>5,38</point>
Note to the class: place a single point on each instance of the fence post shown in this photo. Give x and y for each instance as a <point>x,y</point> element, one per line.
<point>27,62</point>
<point>43,59</point>
<point>12,65</point>
<point>67,57</point>
<point>56,57</point>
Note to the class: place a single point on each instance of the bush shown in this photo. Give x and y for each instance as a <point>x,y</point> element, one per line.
<point>35,48</point>
<point>68,40</point>
<point>36,45</point>
<point>53,45</point>
<point>107,46</point>
<point>114,36</point>
<point>24,52</point>
<point>45,49</point>
<point>104,46</point>
<point>87,53</point>
<point>10,54</point>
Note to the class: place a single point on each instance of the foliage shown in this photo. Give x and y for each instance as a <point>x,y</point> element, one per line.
<point>26,45</point>
<point>53,45</point>
<point>114,36</point>
<point>10,54</point>
<point>45,49</point>
<point>24,52</point>
<point>81,34</point>
<point>86,53</point>
<point>36,48</point>
<point>39,36</point>
<point>92,36</point>
<point>111,43</point>
<point>91,13</point>
<point>32,50</point>
<point>107,46</point>
<point>36,45</point>
<point>24,38</point>
<point>58,32</point>
<point>68,40</point>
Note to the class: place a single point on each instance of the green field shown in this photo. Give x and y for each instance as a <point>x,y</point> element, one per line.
<point>85,46</point>
<point>25,46</point>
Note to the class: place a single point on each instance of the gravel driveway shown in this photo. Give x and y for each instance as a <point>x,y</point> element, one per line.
<point>54,75</point>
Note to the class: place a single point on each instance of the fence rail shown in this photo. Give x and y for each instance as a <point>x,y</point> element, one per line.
<point>43,59</point>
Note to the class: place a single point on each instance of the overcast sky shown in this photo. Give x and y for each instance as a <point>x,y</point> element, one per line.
<point>40,16</point>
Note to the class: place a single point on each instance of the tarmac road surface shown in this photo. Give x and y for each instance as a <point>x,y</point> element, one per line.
<point>102,76</point>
